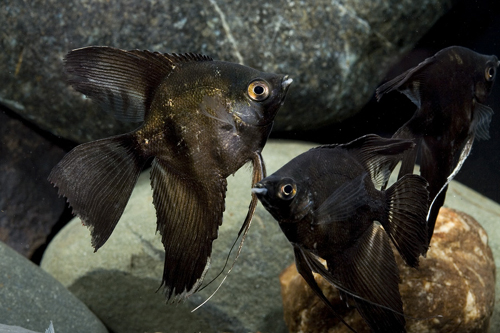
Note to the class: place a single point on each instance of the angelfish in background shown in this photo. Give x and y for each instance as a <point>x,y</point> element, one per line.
<point>202,120</point>
<point>449,90</point>
<point>326,203</point>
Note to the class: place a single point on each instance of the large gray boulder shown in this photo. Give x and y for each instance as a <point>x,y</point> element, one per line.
<point>336,51</point>
<point>30,205</point>
<point>31,298</point>
<point>119,281</point>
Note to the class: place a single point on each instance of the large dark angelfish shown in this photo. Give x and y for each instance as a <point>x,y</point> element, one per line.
<point>449,90</point>
<point>202,120</point>
<point>327,204</point>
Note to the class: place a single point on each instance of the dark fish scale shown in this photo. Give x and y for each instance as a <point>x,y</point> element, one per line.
<point>192,152</point>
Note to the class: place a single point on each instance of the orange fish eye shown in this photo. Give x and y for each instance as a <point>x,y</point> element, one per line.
<point>287,191</point>
<point>258,90</point>
<point>489,73</point>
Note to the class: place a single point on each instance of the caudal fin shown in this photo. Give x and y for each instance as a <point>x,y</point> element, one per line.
<point>405,222</point>
<point>97,178</point>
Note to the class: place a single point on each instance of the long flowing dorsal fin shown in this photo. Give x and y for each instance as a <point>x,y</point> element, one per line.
<point>378,155</point>
<point>408,82</point>
<point>122,82</point>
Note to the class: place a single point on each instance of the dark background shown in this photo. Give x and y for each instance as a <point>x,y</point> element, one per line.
<point>472,24</point>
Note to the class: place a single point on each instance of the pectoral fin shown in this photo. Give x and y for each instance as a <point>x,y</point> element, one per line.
<point>343,202</point>
<point>481,121</point>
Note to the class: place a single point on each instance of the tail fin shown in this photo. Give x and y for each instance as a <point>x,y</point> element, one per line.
<point>405,222</point>
<point>98,178</point>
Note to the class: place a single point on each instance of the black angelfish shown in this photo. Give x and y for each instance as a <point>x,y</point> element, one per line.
<point>449,90</point>
<point>326,204</point>
<point>202,121</point>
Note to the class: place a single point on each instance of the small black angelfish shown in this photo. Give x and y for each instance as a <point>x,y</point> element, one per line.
<point>327,205</point>
<point>202,121</point>
<point>449,90</point>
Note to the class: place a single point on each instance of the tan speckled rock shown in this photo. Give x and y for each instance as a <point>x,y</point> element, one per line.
<point>456,281</point>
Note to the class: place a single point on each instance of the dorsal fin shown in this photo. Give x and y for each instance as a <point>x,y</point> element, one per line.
<point>408,82</point>
<point>378,155</point>
<point>122,82</point>
<point>186,57</point>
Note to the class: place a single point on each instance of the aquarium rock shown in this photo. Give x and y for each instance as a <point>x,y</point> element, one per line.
<point>30,298</point>
<point>18,329</point>
<point>337,52</point>
<point>456,280</point>
<point>120,280</point>
<point>30,206</point>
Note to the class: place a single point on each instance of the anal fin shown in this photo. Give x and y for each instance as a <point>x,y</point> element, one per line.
<point>189,212</point>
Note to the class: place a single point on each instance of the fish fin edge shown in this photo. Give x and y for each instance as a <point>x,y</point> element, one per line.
<point>199,206</point>
<point>405,220</point>
<point>97,178</point>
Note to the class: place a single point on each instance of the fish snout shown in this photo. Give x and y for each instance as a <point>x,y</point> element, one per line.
<point>259,189</point>
<point>286,82</point>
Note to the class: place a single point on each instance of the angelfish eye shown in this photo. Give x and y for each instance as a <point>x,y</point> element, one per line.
<point>489,73</point>
<point>258,90</point>
<point>287,191</point>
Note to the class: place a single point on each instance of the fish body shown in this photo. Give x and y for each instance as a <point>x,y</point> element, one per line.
<point>326,203</point>
<point>201,121</point>
<point>449,90</point>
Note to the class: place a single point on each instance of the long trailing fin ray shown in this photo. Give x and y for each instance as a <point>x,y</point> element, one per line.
<point>191,211</point>
<point>439,166</point>
<point>405,218</point>
<point>316,266</point>
<point>370,271</point>
<point>305,269</point>
<point>438,197</point>
<point>98,178</point>
<point>122,82</point>
<point>343,202</point>
<point>259,172</point>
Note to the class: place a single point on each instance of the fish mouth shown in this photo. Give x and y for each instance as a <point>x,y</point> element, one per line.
<point>259,189</point>
<point>286,82</point>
